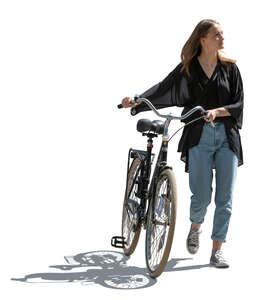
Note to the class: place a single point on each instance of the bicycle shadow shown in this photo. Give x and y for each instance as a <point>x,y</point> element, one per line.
<point>106,268</point>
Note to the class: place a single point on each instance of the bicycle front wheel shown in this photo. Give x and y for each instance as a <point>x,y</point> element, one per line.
<point>130,218</point>
<point>161,223</point>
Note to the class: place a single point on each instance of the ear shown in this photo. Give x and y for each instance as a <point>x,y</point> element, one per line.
<point>202,42</point>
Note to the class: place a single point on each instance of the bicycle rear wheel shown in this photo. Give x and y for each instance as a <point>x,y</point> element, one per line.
<point>130,219</point>
<point>161,223</point>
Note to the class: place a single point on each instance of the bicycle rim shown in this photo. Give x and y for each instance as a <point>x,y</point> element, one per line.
<point>161,223</point>
<point>130,219</point>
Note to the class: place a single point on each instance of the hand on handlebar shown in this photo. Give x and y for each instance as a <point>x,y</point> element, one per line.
<point>210,115</point>
<point>127,102</point>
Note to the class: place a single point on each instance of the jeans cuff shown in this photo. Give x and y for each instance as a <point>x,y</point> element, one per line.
<point>219,240</point>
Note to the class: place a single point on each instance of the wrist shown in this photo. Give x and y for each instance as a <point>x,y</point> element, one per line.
<point>222,112</point>
<point>217,112</point>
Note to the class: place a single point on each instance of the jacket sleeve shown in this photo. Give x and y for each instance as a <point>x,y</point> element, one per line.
<point>237,94</point>
<point>171,91</point>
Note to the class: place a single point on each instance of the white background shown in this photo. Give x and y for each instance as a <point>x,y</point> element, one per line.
<point>65,65</point>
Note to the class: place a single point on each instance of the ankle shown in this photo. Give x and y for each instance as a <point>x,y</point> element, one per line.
<point>216,245</point>
<point>195,226</point>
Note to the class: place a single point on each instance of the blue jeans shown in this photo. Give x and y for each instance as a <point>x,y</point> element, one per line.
<point>212,152</point>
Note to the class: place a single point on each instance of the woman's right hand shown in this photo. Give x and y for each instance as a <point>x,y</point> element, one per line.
<point>126,102</point>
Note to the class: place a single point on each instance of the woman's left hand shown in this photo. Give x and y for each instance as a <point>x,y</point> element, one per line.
<point>211,115</point>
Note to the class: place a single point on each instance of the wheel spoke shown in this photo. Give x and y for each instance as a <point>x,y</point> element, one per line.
<point>160,228</point>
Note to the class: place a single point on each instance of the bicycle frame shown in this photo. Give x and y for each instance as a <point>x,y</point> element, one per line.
<point>146,187</point>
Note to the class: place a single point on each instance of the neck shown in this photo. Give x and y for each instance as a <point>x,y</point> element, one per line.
<point>210,58</point>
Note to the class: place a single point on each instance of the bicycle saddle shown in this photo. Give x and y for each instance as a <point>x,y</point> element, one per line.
<point>156,126</point>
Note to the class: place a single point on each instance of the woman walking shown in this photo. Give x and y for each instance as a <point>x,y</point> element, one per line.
<point>205,77</point>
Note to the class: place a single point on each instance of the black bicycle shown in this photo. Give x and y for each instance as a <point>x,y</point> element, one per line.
<point>151,202</point>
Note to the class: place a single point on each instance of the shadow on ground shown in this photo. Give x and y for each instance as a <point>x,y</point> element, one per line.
<point>106,268</point>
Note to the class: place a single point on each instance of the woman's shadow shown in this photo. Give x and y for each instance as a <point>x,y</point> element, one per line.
<point>107,268</point>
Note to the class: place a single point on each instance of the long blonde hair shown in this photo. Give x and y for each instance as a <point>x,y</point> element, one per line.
<point>193,46</point>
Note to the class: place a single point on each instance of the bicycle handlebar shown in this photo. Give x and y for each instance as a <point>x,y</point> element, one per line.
<point>169,116</point>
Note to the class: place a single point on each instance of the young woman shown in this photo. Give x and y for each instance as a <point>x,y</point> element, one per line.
<point>205,77</point>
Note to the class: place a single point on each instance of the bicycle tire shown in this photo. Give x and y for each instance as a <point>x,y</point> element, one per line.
<point>131,234</point>
<point>164,218</point>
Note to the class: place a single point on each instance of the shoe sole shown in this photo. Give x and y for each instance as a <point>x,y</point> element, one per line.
<point>222,266</point>
<point>190,250</point>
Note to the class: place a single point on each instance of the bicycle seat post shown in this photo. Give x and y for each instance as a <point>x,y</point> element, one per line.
<point>147,168</point>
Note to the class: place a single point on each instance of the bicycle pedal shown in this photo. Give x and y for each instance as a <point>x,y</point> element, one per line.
<point>118,242</point>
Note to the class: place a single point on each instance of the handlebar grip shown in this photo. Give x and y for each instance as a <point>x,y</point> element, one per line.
<point>133,101</point>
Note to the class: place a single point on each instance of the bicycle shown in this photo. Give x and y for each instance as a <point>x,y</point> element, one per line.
<point>151,202</point>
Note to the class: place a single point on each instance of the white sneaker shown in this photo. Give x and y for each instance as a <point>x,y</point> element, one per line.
<point>218,261</point>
